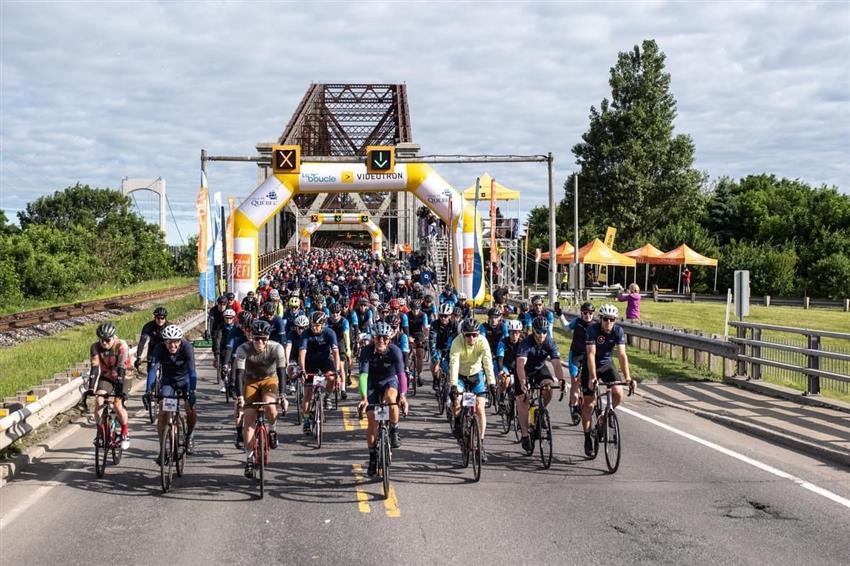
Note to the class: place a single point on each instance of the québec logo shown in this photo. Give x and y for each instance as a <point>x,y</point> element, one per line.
<point>269,200</point>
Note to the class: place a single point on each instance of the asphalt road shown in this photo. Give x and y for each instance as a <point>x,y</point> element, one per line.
<point>674,500</point>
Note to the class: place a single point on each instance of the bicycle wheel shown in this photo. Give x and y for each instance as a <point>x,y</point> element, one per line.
<point>475,449</point>
<point>613,441</point>
<point>180,446</point>
<point>299,399</point>
<point>464,443</point>
<point>117,447</point>
<point>153,406</point>
<point>260,460</point>
<point>544,427</point>
<point>384,456</point>
<point>411,384</point>
<point>319,420</point>
<point>166,453</point>
<point>515,419</point>
<point>101,447</point>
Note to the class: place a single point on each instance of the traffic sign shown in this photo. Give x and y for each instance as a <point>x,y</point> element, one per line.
<point>380,159</point>
<point>286,158</point>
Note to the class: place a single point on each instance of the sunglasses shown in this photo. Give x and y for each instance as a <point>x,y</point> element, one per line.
<point>261,339</point>
<point>159,317</point>
<point>382,338</point>
<point>172,342</point>
<point>608,319</point>
<point>105,340</point>
<point>541,332</point>
<point>586,312</point>
<point>470,334</point>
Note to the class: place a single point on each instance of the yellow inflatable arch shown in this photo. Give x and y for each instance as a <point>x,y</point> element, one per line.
<point>317,220</point>
<point>416,178</point>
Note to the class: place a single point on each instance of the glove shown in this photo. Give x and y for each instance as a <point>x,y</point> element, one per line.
<point>137,363</point>
<point>206,334</point>
<point>454,392</point>
<point>492,390</point>
<point>557,308</point>
<point>191,397</point>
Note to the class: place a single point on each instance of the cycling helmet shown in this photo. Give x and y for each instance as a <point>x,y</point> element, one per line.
<point>402,302</point>
<point>294,302</point>
<point>448,288</point>
<point>494,312</point>
<point>318,317</point>
<point>401,282</point>
<point>457,310</point>
<point>523,306</point>
<point>514,326</point>
<point>274,295</point>
<point>374,297</point>
<point>415,304</point>
<point>469,325</point>
<point>230,295</point>
<point>336,308</point>
<point>364,338</point>
<point>335,289</point>
<point>229,313</point>
<point>383,329</point>
<point>363,302</point>
<point>417,286</point>
<point>222,300</point>
<point>172,332</point>
<point>537,300</point>
<point>587,307</point>
<point>394,304</point>
<point>389,286</point>
<point>446,309</point>
<point>461,296</point>
<point>107,330</point>
<point>269,307</point>
<point>609,310</point>
<point>245,319</point>
<point>160,311</point>
<point>261,328</point>
<point>302,321</point>
<point>393,320</point>
<point>540,325</point>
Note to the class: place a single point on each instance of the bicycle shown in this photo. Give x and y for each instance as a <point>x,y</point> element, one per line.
<point>606,426</point>
<point>261,443</point>
<point>539,423</point>
<point>506,409</point>
<point>470,443</point>
<point>317,406</point>
<point>229,393</point>
<point>107,437</point>
<point>296,378</point>
<point>153,408</point>
<point>385,451</point>
<point>172,445</point>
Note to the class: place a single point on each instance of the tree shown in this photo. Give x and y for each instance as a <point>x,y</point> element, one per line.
<point>79,204</point>
<point>635,173</point>
<point>5,227</point>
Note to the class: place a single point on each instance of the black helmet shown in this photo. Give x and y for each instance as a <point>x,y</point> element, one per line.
<point>587,307</point>
<point>269,307</point>
<point>428,299</point>
<point>393,319</point>
<point>160,311</point>
<point>523,306</point>
<point>469,325</point>
<point>318,317</point>
<point>540,325</point>
<point>245,319</point>
<point>222,300</point>
<point>494,312</point>
<point>106,331</point>
<point>261,328</point>
<point>415,304</point>
<point>230,295</point>
<point>537,300</point>
<point>336,308</point>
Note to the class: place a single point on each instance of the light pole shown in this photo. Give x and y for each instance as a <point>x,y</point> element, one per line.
<point>553,263</point>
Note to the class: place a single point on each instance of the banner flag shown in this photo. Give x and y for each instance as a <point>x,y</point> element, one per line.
<point>217,228</point>
<point>231,207</point>
<point>206,245</point>
<point>537,255</point>
<point>609,236</point>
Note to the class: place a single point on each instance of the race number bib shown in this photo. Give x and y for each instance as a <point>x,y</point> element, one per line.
<point>319,380</point>
<point>169,404</point>
<point>382,413</point>
<point>469,399</point>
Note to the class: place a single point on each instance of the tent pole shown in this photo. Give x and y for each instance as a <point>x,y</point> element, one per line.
<point>715,278</point>
<point>679,281</point>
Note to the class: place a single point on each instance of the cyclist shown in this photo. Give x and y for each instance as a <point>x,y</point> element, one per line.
<point>531,357</point>
<point>274,297</point>
<point>342,330</point>
<point>361,317</point>
<point>260,368</point>
<point>578,349</point>
<point>494,330</point>
<point>522,316</point>
<point>467,357</point>
<point>600,341</point>
<point>399,338</point>
<point>250,303</point>
<point>506,357</point>
<point>318,352</point>
<point>537,309</point>
<point>278,332</point>
<point>395,307</point>
<point>176,357</point>
<point>293,312</point>
<point>215,320</point>
<point>246,319</point>
<point>465,307</point>
<point>418,327</point>
<point>232,303</point>
<point>382,379</point>
<point>222,348</point>
<point>442,332</point>
<point>151,334</point>
<point>448,295</point>
<point>109,358</point>
<point>429,308</point>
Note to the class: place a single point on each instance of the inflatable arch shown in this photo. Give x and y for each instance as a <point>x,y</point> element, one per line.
<point>316,220</point>
<point>416,178</point>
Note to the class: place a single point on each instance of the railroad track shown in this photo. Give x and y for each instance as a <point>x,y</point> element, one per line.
<point>26,319</point>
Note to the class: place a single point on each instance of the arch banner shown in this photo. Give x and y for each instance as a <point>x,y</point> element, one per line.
<point>316,220</point>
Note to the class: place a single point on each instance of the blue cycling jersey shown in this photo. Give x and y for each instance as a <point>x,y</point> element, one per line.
<point>178,369</point>
<point>319,347</point>
<point>380,367</point>
<point>537,354</point>
<point>605,343</point>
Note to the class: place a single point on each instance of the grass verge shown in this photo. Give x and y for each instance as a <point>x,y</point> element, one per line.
<point>27,365</point>
<point>100,292</point>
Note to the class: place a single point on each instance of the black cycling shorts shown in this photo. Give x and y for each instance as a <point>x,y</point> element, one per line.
<point>606,372</point>
<point>535,378</point>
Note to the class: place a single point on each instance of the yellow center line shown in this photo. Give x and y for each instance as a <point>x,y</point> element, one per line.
<point>391,504</point>
<point>362,498</point>
<point>346,423</point>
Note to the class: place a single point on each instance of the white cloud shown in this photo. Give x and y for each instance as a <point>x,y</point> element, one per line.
<point>93,92</point>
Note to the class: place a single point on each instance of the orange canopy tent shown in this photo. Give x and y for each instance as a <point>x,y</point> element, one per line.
<point>683,255</point>
<point>645,254</point>
<point>597,253</point>
<point>563,250</point>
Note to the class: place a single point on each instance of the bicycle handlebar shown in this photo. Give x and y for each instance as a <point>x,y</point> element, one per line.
<point>610,384</point>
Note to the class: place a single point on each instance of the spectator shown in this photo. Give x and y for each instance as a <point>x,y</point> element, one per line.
<point>686,281</point>
<point>632,299</point>
<point>653,279</point>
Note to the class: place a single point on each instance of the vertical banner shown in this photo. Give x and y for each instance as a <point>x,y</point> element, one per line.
<point>217,229</point>
<point>538,253</point>
<point>231,207</point>
<point>206,245</point>
<point>609,236</point>
<point>494,253</point>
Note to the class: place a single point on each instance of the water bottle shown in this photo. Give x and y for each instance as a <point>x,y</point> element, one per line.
<point>532,415</point>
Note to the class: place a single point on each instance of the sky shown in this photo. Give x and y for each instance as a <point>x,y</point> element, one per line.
<point>95,92</point>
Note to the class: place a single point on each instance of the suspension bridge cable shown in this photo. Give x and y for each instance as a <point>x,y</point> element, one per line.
<point>168,202</point>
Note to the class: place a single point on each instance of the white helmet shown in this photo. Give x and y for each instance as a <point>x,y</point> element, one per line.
<point>461,296</point>
<point>609,310</point>
<point>364,338</point>
<point>274,295</point>
<point>389,286</point>
<point>335,289</point>
<point>302,321</point>
<point>227,312</point>
<point>402,301</point>
<point>172,332</point>
<point>514,325</point>
<point>446,308</point>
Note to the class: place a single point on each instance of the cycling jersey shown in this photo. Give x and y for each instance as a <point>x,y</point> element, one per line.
<point>292,337</point>
<point>417,325</point>
<point>401,341</point>
<point>178,369</point>
<point>468,360</point>
<point>447,298</point>
<point>362,321</point>
<point>441,335</point>
<point>579,328</point>
<point>528,318</point>
<point>318,347</point>
<point>379,372</point>
<point>430,311</point>
<point>341,329</point>
<point>289,318</point>
<point>109,360</point>
<point>259,365</point>
<point>150,336</point>
<point>506,352</point>
<point>494,334</point>
<point>605,343</point>
<point>537,354</point>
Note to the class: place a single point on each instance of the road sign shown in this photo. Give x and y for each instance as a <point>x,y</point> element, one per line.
<point>742,294</point>
<point>380,159</point>
<point>286,158</point>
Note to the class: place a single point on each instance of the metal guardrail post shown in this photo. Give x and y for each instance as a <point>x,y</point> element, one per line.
<point>814,363</point>
<point>742,351</point>
<point>756,353</point>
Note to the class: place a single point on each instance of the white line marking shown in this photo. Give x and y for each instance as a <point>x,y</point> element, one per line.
<point>746,459</point>
<point>9,517</point>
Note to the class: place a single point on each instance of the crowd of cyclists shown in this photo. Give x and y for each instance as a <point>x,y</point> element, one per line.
<point>374,326</point>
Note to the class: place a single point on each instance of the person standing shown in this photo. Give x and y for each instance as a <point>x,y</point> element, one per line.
<point>632,299</point>
<point>686,281</point>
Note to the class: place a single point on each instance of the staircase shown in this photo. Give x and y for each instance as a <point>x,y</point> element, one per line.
<point>438,258</point>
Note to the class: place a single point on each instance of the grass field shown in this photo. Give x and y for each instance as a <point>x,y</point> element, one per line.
<point>100,292</point>
<point>27,365</point>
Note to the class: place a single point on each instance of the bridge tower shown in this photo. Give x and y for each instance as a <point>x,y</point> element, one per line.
<point>341,120</point>
<point>156,186</point>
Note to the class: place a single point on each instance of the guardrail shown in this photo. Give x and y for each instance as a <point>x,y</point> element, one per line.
<point>44,407</point>
<point>268,260</point>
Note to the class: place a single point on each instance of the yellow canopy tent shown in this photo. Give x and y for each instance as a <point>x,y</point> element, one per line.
<point>645,254</point>
<point>683,255</point>
<point>564,249</point>
<point>485,180</point>
<point>597,253</point>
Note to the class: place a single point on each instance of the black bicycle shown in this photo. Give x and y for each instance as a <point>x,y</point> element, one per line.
<point>539,423</point>
<point>172,445</point>
<point>153,408</point>
<point>385,451</point>
<point>470,444</point>
<point>606,426</point>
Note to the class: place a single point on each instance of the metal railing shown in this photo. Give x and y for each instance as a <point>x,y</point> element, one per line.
<point>268,260</point>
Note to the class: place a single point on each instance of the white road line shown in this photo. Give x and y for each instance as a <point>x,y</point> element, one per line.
<point>746,459</point>
<point>43,490</point>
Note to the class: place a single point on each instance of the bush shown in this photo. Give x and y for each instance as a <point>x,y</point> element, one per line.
<point>772,271</point>
<point>830,277</point>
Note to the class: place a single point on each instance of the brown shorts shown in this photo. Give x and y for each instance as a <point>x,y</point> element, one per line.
<point>255,389</point>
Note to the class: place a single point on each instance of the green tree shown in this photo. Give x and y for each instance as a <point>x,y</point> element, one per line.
<point>831,277</point>
<point>79,204</point>
<point>186,260</point>
<point>635,173</point>
<point>5,227</point>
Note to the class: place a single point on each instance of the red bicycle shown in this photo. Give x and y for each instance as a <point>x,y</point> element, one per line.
<point>108,436</point>
<point>261,443</point>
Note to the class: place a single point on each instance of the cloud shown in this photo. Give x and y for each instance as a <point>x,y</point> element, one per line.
<point>94,92</point>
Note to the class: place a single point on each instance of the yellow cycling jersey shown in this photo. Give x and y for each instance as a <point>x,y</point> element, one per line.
<point>468,361</point>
